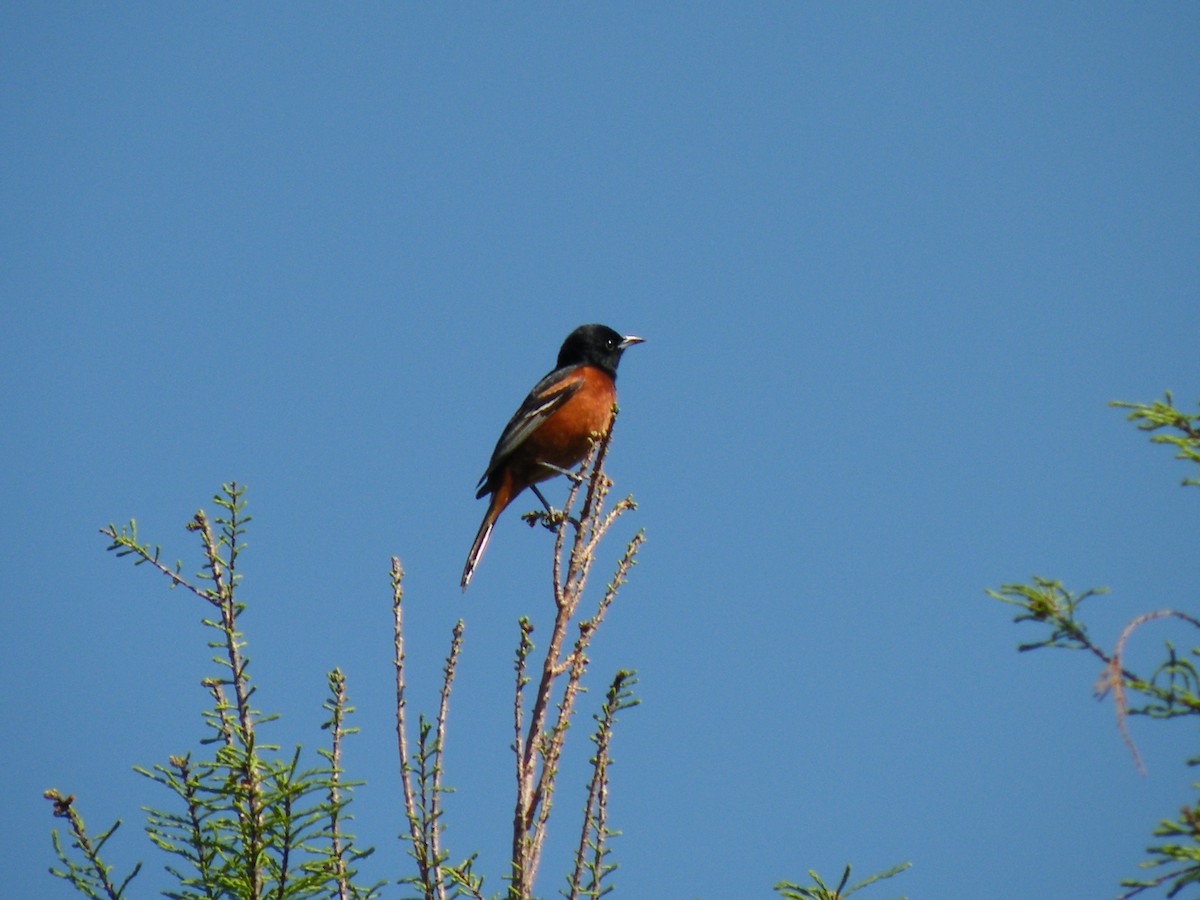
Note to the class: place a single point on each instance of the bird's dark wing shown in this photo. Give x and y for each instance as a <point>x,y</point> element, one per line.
<point>547,395</point>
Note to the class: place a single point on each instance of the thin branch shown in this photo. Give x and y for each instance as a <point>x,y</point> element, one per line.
<point>124,543</point>
<point>566,599</point>
<point>337,709</point>
<point>435,810</point>
<point>1113,677</point>
<point>594,834</point>
<point>524,648</point>
<point>96,870</point>
<point>410,800</point>
<point>540,747</point>
<point>224,576</point>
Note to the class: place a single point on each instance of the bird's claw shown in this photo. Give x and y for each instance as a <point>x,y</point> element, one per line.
<point>550,519</point>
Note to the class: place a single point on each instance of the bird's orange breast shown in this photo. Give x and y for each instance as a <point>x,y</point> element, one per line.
<point>563,439</point>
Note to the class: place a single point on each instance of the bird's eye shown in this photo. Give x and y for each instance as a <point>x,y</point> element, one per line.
<point>612,345</point>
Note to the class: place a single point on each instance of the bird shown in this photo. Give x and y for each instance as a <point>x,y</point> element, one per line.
<point>551,431</point>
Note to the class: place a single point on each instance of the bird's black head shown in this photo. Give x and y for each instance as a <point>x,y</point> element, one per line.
<point>595,345</point>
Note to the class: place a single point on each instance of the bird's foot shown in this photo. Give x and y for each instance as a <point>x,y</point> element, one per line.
<point>550,518</point>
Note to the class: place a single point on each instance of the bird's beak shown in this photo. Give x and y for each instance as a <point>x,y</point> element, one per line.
<point>629,340</point>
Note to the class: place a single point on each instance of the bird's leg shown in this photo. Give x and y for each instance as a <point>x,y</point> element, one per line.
<point>550,518</point>
<point>553,516</point>
<point>549,508</point>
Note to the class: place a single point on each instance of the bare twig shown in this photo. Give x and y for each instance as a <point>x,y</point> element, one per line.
<point>435,804</point>
<point>524,648</point>
<point>1113,676</point>
<point>540,743</point>
<point>410,800</point>
<point>526,849</point>
<point>594,834</point>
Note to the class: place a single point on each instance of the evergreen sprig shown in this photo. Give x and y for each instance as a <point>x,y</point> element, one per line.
<point>1170,691</point>
<point>83,867</point>
<point>819,890</point>
<point>1169,426</point>
<point>245,821</point>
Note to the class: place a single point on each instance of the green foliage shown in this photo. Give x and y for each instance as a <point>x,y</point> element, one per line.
<point>82,866</point>
<point>821,891</point>
<point>246,821</point>
<point>1048,601</point>
<point>1172,689</point>
<point>1168,426</point>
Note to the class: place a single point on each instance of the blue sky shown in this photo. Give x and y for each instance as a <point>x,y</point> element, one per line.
<point>892,262</point>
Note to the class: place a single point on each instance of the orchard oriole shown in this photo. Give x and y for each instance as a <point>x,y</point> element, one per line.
<point>551,431</point>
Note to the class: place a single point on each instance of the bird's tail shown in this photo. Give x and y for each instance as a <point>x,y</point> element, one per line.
<point>481,542</point>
